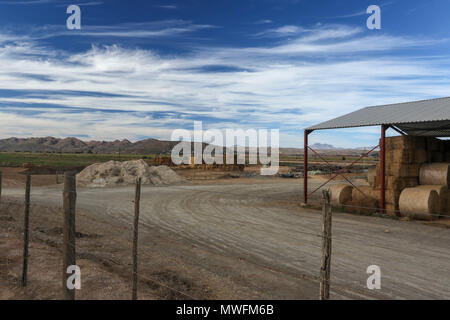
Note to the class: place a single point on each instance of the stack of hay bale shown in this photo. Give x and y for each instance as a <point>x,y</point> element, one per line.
<point>365,200</point>
<point>404,156</point>
<point>361,200</point>
<point>430,199</point>
<point>407,158</point>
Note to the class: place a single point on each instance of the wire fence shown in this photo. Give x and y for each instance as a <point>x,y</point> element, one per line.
<point>122,241</point>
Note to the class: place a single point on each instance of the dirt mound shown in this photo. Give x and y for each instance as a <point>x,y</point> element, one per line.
<point>113,173</point>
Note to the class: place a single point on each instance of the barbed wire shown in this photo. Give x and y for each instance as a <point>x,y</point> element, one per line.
<point>298,202</point>
<point>269,268</point>
<point>279,199</point>
<point>410,214</point>
<point>188,188</point>
<point>127,240</point>
<point>142,223</point>
<point>167,287</point>
<point>77,246</point>
<point>381,212</point>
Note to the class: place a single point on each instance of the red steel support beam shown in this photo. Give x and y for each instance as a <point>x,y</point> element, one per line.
<point>382,168</point>
<point>341,174</point>
<point>344,169</point>
<point>305,167</point>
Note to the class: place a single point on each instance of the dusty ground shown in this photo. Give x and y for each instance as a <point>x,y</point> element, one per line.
<point>245,238</point>
<point>100,281</point>
<point>13,178</point>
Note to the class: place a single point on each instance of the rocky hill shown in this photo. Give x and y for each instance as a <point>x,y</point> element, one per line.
<point>74,145</point>
<point>147,146</point>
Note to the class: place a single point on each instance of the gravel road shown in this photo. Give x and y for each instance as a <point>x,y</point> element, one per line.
<point>260,223</point>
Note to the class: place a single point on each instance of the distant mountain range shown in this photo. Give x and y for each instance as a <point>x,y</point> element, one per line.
<point>74,145</point>
<point>323,146</point>
<point>147,146</point>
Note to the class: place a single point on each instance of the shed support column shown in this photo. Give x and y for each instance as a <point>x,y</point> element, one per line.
<point>305,167</point>
<point>382,168</point>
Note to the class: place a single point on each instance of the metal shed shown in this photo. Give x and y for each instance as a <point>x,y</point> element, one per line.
<point>429,118</point>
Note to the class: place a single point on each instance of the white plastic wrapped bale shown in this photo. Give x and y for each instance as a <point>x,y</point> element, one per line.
<point>435,174</point>
<point>419,203</point>
<point>340,194</point>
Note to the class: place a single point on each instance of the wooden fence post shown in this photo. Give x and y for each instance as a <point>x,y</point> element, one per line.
<point>137,199</point>
<point>69,199</point>
<point>26,230</point>
<point>0,187</point>
<point>326,247</point>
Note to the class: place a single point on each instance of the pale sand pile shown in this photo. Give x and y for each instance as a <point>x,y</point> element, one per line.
<point>115,173</point>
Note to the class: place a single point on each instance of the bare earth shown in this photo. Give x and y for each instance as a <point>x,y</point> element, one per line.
<point>228,240</point>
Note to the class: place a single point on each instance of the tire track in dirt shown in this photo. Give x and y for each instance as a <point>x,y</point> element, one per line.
<point>241,220</point>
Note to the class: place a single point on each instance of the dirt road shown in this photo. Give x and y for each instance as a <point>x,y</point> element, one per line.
<point>261,225</point>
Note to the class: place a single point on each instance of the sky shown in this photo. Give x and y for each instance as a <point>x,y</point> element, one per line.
<point>141,69</point>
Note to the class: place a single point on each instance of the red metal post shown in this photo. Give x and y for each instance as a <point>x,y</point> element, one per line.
<point>305,167</point>
<point>382,168</point>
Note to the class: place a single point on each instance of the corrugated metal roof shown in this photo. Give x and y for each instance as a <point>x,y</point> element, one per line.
<point>426,117</point>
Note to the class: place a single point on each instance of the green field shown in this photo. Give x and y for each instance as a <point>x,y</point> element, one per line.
<point>16,159</point>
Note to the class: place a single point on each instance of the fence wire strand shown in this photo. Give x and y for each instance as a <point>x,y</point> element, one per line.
<point>126,240</point>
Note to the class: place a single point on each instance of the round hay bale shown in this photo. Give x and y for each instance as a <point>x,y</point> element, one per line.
<point>447,214</point>
<point>340,194</point>
<point>365,206</point>
<point>435,174</point>
<point>443,197</point>
<point>419,203</point>
<point>365,192</point>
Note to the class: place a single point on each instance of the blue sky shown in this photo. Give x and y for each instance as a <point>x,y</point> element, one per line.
<point>140,69</point>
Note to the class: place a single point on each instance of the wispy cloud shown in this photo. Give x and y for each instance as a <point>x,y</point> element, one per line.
<point>154,29</point>
<point>282,31</point>
<point>30,2</point>
<point>168,6</point>
<point>57,2</point>
<point>309,35</point>
<point>265,21</point>
<point>332,40</point>
<point>119,92</point>
<point>361,12</point>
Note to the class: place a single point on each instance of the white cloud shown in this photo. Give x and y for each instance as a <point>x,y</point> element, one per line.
<point>152,29</point>
<point>168,6</point>
<point>29,2</point>
<point>283,31</point>
<point>265,21</point>
<point>323,73</point>
<point>58,2</point>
